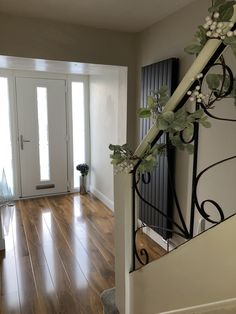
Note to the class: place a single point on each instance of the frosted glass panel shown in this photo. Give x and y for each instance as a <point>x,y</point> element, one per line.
<point>78,121</point>
<point>5,133</point>
<point>43,133</point>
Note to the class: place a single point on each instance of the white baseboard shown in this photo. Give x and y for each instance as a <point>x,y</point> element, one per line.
<point>156,237</point>
<point>103,198</point>
<point>220,307</point>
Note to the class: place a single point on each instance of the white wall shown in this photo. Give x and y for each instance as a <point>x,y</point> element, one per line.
<point>108,111</point>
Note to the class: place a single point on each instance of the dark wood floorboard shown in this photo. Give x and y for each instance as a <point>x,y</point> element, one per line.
<point>59,255</point>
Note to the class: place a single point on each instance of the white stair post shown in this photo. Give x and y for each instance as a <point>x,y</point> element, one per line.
<point>123,240</point>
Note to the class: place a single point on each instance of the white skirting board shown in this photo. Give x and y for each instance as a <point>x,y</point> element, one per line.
<point>221,307</point>
<point>103,198</point>
<point>156,237</point>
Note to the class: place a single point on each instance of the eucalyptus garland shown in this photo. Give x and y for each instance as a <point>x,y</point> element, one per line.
<point>217,25</point>
<point>179,125</point>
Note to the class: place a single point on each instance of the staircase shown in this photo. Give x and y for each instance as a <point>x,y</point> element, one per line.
<point>202,271</point>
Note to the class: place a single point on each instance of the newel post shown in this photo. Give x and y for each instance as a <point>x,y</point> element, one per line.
<point>123,240</point>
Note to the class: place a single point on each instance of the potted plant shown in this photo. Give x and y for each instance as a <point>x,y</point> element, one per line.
<point>83,169</point>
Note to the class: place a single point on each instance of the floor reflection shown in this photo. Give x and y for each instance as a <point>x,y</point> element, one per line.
<point>52,257</point>
<point>48,249</point>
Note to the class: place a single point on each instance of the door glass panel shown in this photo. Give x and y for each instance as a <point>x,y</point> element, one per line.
<point>78,122</point>
<point>5,134</point>
<point>43,133</point>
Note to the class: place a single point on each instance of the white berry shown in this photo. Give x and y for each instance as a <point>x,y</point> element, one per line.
<point>231,24</point>
<point>208,18</point>
<point>189,93</point>
<point>216,15</point>
<point>209,22</point>
<point>200,75</point>
<point>198,87</point>
<point>230,34</point>
<point>199,100</point>
<point>213,27</point>
<point>191,98</point>
<point>208,34</point>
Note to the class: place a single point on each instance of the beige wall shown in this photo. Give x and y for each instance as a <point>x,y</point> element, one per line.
<point>167,39</point>
<point>218,143</point>
<point>38,38</point>
<point>194,274</point>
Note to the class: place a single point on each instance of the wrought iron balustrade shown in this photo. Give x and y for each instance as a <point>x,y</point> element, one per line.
<point>179,226</point>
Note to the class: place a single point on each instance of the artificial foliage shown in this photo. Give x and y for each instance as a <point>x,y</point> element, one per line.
<point>179,125</point>
<point>83,169</point>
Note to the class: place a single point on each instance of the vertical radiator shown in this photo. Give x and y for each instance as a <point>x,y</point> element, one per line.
<point>158,191</point>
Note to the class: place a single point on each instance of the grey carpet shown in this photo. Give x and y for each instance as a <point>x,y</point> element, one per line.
<point>108,301</point>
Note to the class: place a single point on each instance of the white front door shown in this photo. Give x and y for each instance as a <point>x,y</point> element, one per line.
<point>42,136</point>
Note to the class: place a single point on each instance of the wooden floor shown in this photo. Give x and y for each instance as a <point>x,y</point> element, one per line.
<point>59,255</point>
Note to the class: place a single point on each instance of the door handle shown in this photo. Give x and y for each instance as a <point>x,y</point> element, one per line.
<point>22,141</point>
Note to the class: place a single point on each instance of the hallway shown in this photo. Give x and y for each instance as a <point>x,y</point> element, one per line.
<point>59,255</point>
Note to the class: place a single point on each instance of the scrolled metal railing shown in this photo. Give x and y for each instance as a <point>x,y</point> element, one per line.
<point>179,226</point>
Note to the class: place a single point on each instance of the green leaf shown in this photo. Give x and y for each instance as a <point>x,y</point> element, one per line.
<point>188,132</point>
<point>176,141</point>
<point>216,5</point>
<point>144,113</point>
<point>150,101</point>
<point>230,40</point>
<point>116,156</point>
<point>163,100</point>
<point>201,35</point>
<point>193,49</point>
<point>213,81</point>
<point>226,11</point>
<point>197,114</point>
<point>206,124</point>
<point>190,148</point>
<point>168,116</point>
<point>114,147</point>
<point>115,162</point>
<point>147,165</point>
<point>163,91</point>
<point>162,124</point>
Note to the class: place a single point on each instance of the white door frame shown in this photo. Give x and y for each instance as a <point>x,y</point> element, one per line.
<point>11,75</point>
<point>84,79</point>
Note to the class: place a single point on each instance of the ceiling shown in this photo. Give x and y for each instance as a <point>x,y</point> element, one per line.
<point>123,15</point>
